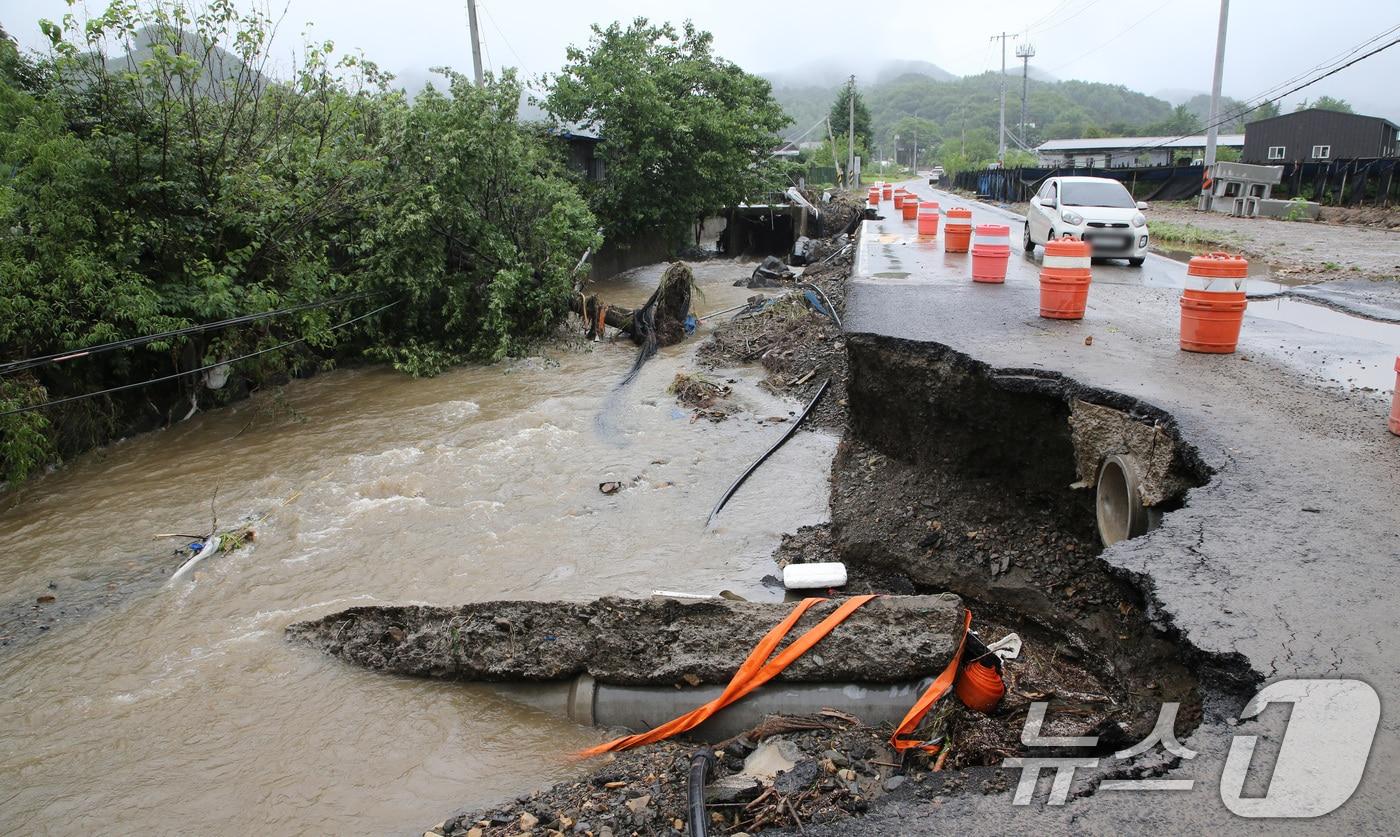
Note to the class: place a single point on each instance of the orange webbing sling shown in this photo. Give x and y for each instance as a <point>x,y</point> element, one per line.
<point>931,695</point>
<point>754,672</point>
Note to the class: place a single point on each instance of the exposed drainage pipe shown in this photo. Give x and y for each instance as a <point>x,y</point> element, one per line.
<point>586,701</point>
<point>754,467</point>
<point>1118,501</point>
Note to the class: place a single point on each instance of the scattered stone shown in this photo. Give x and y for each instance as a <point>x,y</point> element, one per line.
<point>528,821</point>
<point>894,782</point>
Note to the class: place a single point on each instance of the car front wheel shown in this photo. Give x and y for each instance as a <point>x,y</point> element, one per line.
<point>1027,244</point>
<point>1136,262</point>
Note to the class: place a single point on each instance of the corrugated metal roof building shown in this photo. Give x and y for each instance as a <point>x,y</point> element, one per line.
<point>1315,134</point>
<point>1118,152</point>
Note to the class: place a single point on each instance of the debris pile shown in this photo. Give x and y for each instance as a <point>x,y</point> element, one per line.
<point>795,338</point>
<point>707,398</point>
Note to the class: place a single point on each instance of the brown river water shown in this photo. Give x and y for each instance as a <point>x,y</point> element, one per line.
<point>181,709</point>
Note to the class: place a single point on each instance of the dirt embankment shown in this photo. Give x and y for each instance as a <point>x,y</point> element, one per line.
<point>1298,251</point>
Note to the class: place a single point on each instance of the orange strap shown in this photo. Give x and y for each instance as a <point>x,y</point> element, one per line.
<point>935,692</point>
<point>753,673</point>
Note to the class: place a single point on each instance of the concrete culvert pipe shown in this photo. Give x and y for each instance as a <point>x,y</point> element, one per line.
<point>1121,514</point>
<point>639,708</point>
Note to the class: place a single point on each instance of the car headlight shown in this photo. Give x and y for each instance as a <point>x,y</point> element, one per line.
<point>1139,220</point>
<point>1072,217</point>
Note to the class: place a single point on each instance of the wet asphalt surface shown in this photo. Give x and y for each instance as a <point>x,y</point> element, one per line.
<point>1284,562</point>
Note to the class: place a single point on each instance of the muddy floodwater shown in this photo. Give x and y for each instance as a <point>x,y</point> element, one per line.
<point>180,708</point>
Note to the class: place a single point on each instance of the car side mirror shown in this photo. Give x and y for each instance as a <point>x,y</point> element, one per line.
<point>1050,203</point>
<point>1142,205</point>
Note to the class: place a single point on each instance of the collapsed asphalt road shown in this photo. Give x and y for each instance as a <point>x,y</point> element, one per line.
<point>1283,558</point>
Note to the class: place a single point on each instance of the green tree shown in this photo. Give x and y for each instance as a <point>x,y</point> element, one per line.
<point>1325,103</point>
<point>174,181</point>
<point>683,131</point>
<point>1268,110</point>
<point>840,115</point>
<point>480,235</point>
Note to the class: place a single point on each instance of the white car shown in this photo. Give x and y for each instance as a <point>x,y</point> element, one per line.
<point>1098,210</point>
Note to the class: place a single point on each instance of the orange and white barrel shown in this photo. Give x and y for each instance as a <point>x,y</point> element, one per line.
<point>928,219</point>
<point>873,197</point>
<point>1064,279</point>
<point>991,249</point>
<point>957,230</point>
<point>899,195</point>
<point>1213,303</point>
<point>911,207</point>
<point>889,191</point>
<point>1394,422</point>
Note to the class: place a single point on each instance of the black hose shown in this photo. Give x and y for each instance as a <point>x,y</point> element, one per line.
<point>754,467</point>
<point>700,765</point>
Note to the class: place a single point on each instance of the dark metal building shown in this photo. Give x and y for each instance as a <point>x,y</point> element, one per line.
<point>1318,135</point>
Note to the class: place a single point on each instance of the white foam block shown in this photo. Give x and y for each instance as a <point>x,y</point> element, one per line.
<point>812,576</point>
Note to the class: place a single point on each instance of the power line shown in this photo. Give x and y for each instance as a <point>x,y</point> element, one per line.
<point>504,39</point>
<point>1054,11</point>
<point>172,377</point>
<point>1341,56</point>
<point>1105,43</point>
<point>1067,18</point>
<point>1239,112</point>
<point>74,354</point>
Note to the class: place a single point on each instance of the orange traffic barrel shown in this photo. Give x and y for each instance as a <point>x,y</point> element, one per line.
<point>928,218</point>
<point>889,191</point>
<point>899,195</point>
<point>1064,279</point>
<point>1213,304</point>
<point>979,686</point>
<point>874,196</point>
<point>957,230</point>
<point>991,249</point>
<point>1395,402</point>
<point>911,207</point>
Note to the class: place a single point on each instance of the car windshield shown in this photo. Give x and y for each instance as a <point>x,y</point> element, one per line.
<point>1110,194</point>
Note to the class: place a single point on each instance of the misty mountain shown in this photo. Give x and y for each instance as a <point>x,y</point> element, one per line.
<point>894,69</point>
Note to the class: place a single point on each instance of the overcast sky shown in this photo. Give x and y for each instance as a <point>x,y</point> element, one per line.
<point>1148,45</point>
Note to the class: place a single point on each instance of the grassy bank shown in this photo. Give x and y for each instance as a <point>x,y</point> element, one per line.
<point>1191,237</point>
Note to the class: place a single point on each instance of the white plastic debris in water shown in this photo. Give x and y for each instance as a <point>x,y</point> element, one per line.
<point>210,547</point>
<point>812,576</point>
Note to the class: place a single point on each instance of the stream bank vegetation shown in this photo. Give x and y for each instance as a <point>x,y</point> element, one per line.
<point>156,175</point>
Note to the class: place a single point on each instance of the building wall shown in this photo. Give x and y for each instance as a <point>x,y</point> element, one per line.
<point>1349,135</point>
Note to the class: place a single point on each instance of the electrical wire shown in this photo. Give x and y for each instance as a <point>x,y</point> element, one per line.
<point>1242,111</point>
<point>1071,16</point>
<point>73,354</point>
<point>206,368</point>
<point>1110,40</point>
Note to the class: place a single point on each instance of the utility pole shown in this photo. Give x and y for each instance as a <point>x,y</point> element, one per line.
<point>851,132</point>
<point>914,158</point>
<point>1001,134</point>
<point>1213,130</point>
<point>1025,52</point>
<point>476,41</point>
